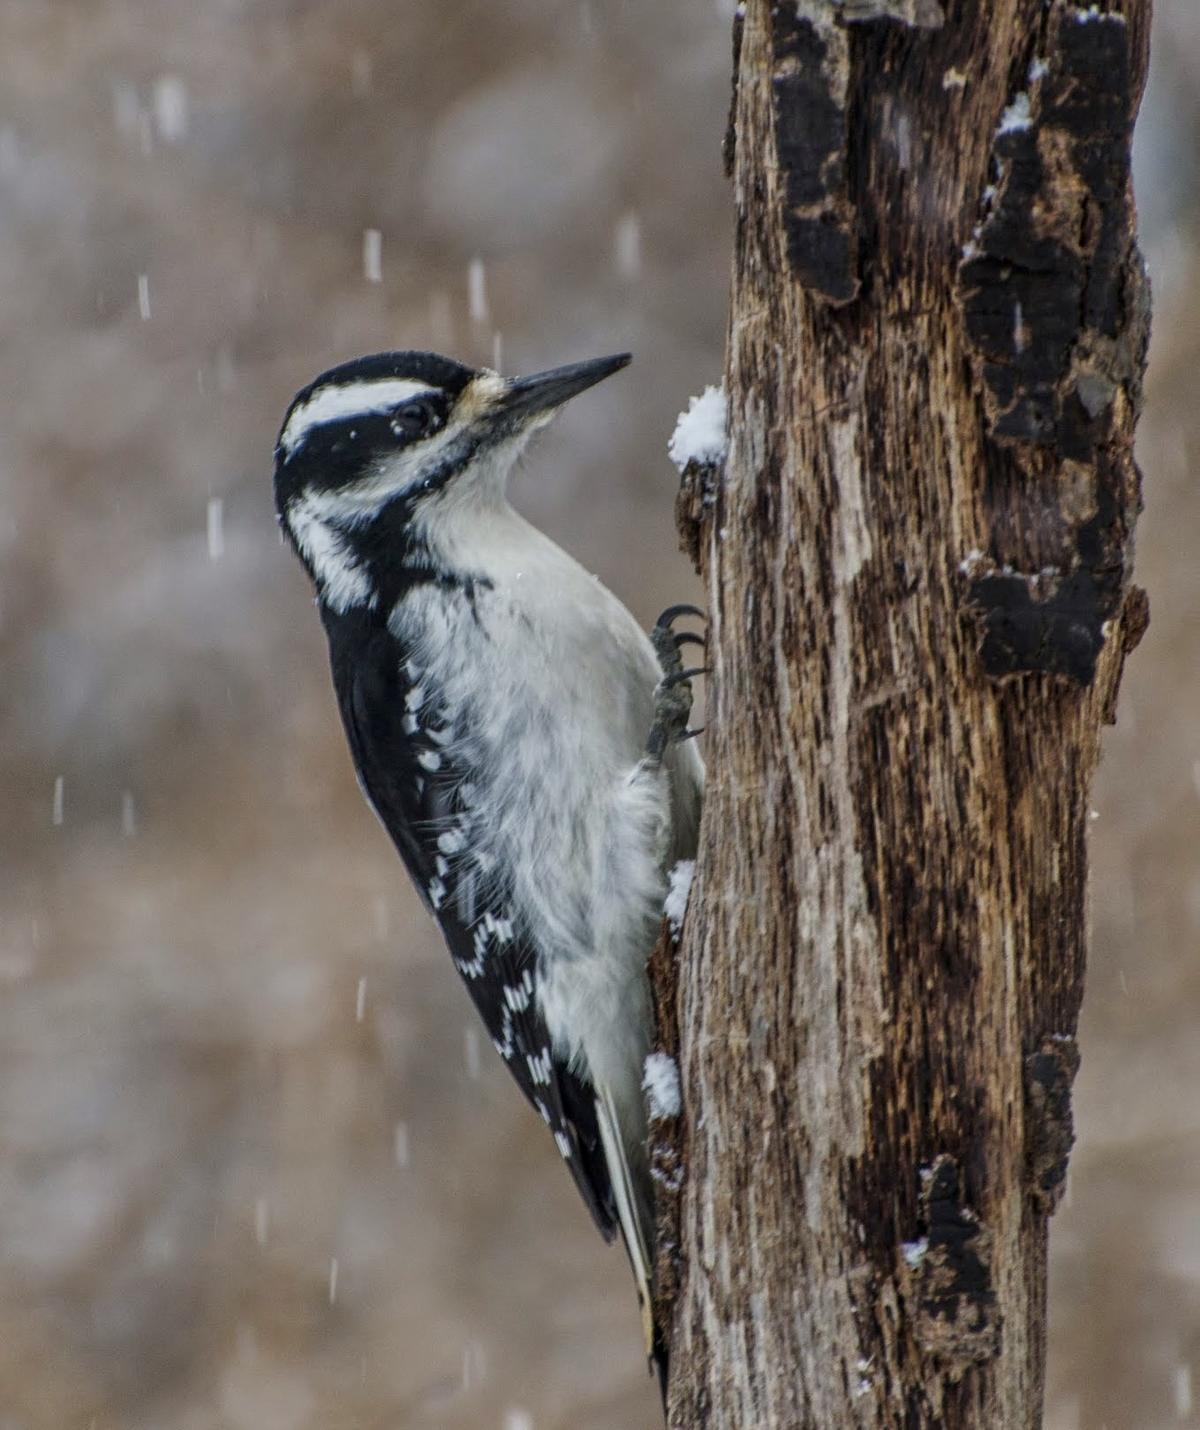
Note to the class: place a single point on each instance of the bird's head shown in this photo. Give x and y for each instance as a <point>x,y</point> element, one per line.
<point>396,434</point>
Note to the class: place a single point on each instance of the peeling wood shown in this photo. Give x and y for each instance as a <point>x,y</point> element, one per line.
<point>697,493</point>
<point>664,1139</point>
<point>924,14</point>
<point>729,144</point>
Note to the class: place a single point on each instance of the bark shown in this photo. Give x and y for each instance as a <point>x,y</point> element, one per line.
<point>917,559</point>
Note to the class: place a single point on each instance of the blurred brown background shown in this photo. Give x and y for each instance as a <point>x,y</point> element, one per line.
<point>257,1170</point>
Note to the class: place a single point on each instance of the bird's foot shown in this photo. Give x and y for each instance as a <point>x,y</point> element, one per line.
<point>673,694</point>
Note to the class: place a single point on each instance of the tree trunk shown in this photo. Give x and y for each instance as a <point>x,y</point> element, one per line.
<point>917,559</point>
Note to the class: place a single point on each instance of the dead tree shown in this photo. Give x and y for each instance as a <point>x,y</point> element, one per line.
<point>917,558</point>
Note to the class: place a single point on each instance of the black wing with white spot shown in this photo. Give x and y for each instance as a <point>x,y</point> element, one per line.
<point>402,749</point>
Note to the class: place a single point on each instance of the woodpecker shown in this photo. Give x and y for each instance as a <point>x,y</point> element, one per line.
<point>523,741</point>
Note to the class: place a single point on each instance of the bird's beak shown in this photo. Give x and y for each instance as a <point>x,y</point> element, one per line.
<point>544,391</point>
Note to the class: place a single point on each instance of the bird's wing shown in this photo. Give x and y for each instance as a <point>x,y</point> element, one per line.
<point>406,763</point>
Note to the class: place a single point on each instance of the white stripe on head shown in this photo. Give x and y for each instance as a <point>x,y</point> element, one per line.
<point>389,474</point>
<point>336,400</point>
<point>342,580</point>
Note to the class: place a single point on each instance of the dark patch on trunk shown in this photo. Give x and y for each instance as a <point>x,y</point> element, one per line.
<point>1039,623</point>
<point>1049,1125</point>
<point>1049,259</point>
<point>809,92</point>
<point>946,1279</point>
<point>1055,301</point>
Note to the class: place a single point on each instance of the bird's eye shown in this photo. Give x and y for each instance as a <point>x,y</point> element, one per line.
<point>417,418</point>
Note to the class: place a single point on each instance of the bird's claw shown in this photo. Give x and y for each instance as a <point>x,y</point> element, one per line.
<point>673,613</point>
<point>668,643</point>
<point>673,695</point>
<point>679,677</point>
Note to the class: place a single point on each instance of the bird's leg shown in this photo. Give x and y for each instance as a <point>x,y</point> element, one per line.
<point>673,694</point>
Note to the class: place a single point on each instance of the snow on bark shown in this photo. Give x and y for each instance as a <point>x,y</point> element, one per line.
<point>700,433</point>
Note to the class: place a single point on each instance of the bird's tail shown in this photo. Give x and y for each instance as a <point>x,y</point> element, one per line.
<point>637,1230</point>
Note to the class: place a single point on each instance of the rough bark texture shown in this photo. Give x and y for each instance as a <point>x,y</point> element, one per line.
<point>918,560</point>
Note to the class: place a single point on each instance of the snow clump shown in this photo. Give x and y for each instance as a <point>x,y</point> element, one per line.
<point>699,434</point>
<point>679,886</point>
<point>660,1082</point>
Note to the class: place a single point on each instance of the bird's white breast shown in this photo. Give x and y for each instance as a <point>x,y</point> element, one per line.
<point>549,683</point>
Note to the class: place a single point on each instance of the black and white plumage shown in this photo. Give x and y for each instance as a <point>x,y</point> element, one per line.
<point>499,703</point>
